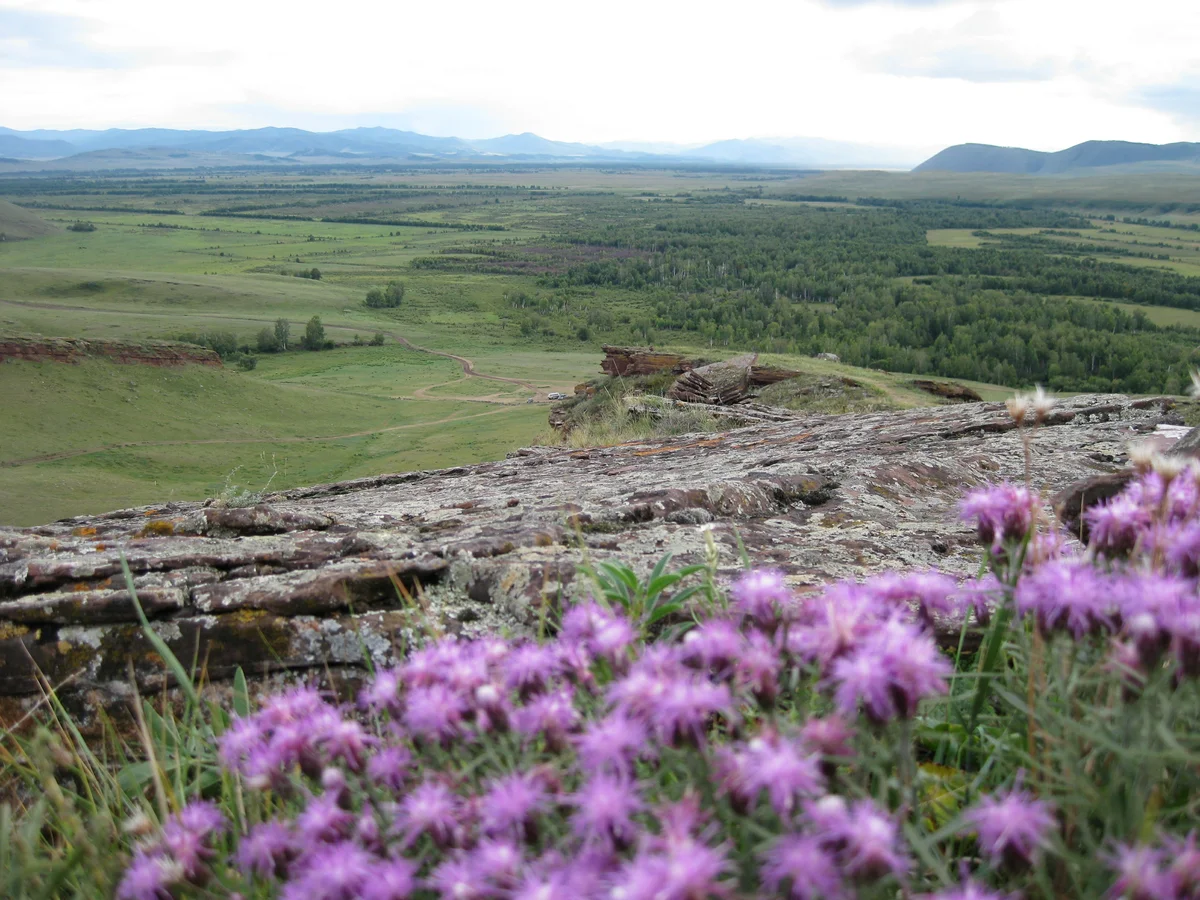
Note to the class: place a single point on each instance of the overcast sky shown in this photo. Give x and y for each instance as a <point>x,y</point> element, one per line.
<point>921,73</point>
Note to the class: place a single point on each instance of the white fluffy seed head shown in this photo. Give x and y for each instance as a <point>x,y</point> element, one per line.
<point>1042,404</point>
<point>1018,408</point>
<point>1141,457</point>
<point>1169,467</point>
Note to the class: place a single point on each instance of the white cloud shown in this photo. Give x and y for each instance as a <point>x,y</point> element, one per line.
<point>1040,73</point>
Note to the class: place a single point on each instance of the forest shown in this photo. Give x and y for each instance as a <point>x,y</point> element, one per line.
<point>863,282</point>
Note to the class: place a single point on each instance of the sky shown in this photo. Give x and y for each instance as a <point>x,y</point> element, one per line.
<point>1043,74</point>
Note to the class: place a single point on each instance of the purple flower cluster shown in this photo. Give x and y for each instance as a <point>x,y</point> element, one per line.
<point>872,644</point>
<point>181,855</point>
<point>839,845</point>
<point>1011,827</point>
<point>1167,870</point>
<point>598,765</point>
<point>1004,514</point>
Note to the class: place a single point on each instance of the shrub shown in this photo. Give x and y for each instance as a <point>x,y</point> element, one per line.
<point>81,226</point>
<point>268,341</point>
<point>223,343</point>
<point>247,363</point>
<point>314,335</point>
<point>378,339</point>
<point>389,297</point>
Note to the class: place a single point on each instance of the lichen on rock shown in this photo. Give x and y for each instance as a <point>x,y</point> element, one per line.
<point>330,575</point>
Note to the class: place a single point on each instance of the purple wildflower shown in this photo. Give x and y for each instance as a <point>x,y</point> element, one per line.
<point>773,764</point>
<point>611,744</point>
<point>1182,546</point>
<point>929,591</point>
<point>802,869</point>
<point>1011,826</point>
<point>713,646</point>
<point>496,862</point>
<point>757,669</point>
<point>266,851</point>
<point>531,668</point>
<point>1141,874</point>
<point>512,803</point>
<point>604,809</point>
<point>1068,594</point>
<point>1185,863</point>
<point>605,633</point>
<point>872,845</point>
<point>186,837</point>
<point>833,623</point>
<point>331,872</point>
<point>864,838</point>
<point>828,736</point>
<point>1114,527</point>
<point>456,878</point>
<point>1004,513</point>
<point>968,890</point>
<point>391,880</point>
<point>889,672</point>
<point>551,715</point>
<point>686,707</point>
<point>435,712</point>
<point>979,596</point>
<point>390,767</point>
<point>431,808</point>
<point>323,821</point>
<point>689,870</point>
<point>553,878</point>
<point>383,693</point>
<point>763,596</point>
<point>148,878</point>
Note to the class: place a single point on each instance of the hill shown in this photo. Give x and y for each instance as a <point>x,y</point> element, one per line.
<point>165,147</point>
<point>17,224</point>
<point>1082,157</point>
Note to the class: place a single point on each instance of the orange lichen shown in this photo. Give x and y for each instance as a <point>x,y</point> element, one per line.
<point>84,531</point>
<point>157,528</point>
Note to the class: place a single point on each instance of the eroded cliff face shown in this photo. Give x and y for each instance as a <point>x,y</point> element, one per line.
<point>320,578</point>
<point>73,350</point>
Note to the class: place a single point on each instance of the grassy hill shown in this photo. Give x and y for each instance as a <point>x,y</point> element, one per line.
<point>1085,157</point>
<point>101,435</point>
<point>18,224</point>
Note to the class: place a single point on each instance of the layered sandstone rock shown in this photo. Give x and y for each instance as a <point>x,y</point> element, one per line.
<point>73,350</point>
<point>319,579</point>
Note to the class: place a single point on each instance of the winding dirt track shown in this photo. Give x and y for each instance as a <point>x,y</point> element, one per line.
<point>467,364</point>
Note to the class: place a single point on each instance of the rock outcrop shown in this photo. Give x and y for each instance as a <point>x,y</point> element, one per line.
<point>322,578</point>
<point>73,350</point>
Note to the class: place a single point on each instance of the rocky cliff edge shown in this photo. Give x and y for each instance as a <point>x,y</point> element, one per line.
<point>321,578</point>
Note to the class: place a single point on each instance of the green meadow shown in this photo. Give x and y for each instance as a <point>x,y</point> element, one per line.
<point>514,278</point>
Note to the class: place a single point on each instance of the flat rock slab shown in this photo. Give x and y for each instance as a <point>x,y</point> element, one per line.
<point>333,574</point>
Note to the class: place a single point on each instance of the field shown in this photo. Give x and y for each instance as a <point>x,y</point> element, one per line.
<point>513,278</point>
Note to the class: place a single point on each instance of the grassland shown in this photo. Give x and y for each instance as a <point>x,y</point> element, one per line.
<point>463,355</point>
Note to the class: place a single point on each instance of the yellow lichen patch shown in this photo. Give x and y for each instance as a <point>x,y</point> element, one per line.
<point>9,630</point>
<point>157,528</point>
<point>84,531</point>
<point>247,616</point>
<point>543,540</point>
<point>151,512</point>
<point>80,586</point>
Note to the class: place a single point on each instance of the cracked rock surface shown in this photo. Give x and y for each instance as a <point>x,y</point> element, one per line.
<point>321,578</point>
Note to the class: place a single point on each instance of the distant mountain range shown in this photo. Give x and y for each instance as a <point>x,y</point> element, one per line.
<point>1089,157</point>
<point>164,147</point>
